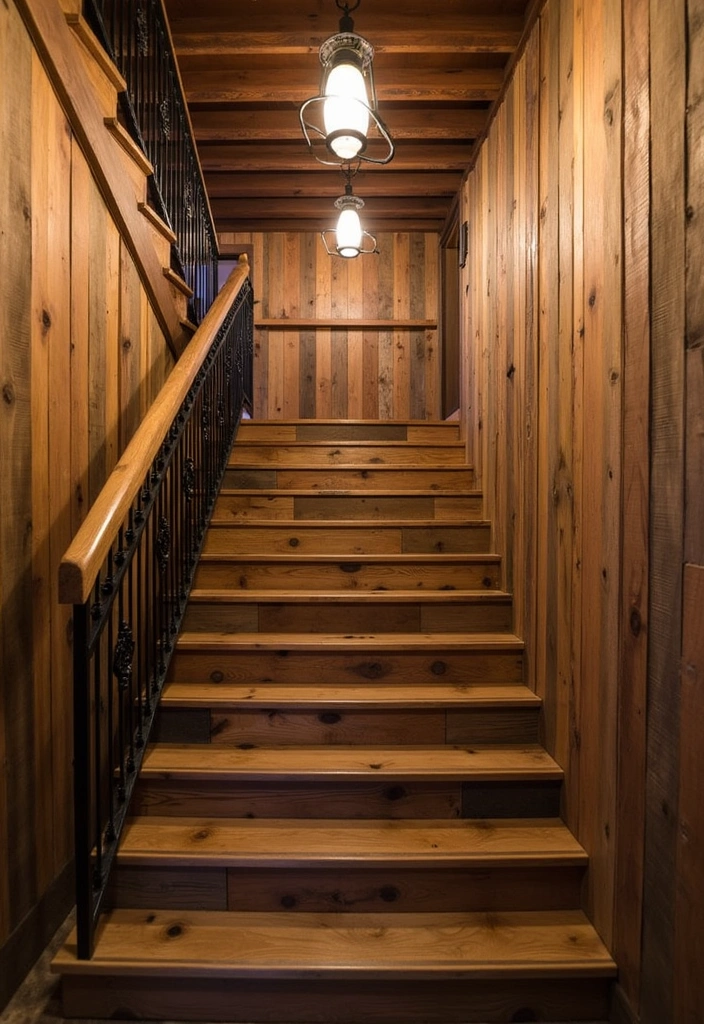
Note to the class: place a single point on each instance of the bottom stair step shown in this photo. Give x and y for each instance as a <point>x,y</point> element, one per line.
<point>384,967</point>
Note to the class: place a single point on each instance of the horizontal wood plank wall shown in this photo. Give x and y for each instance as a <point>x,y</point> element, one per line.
<point>542,319</point>
<point>81,358</point>
<point>320,371</point>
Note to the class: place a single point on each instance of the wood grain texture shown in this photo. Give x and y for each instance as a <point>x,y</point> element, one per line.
<point>636,485</point>
<point>688,995</point>
<point>365,367</point>
<point>61,425</point>
<point>543,372</point>
<point>16,443</point>
<point>667,132</point>
<point>54,42</point>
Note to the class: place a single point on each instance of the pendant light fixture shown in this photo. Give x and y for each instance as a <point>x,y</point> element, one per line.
<point>348,238</point>
<point>341,125</point>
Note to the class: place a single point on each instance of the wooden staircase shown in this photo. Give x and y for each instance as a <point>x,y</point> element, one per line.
<point>347,815</point>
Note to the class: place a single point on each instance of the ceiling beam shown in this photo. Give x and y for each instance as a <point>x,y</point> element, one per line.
<point>330,184</point>
<point>311,207</point>
<point>196,37</point>
<point>404,84</point>
<point>274,125</point>
<point>294,156</point>
<point>315,224</point>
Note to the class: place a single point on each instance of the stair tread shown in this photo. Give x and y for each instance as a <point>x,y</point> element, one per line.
<point>210,761</point>
<point>336,695</point>
<point>342,524</point>
<point>346,443</point>
<point>224,596</point>
<point>347,492</point>
<point>463,558</point>
<point>311,842</point>
<point>547,944</point>
<point>354,641</point>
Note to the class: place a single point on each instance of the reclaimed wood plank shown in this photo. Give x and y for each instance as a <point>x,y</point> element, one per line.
<point>667,325</point>
<point>16,788</point>
<point>636,485</point>
<point>688,994</point>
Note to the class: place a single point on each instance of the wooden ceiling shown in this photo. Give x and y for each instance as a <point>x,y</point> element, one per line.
<point>247,65</point>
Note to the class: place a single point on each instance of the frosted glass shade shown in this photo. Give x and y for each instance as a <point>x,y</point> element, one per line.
<point>349,233</point>
<point>346,110</point>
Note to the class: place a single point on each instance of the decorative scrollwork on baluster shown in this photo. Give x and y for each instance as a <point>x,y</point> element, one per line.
<point>205,418</point>
<point>189,479</point>
<point>221,409</point>
<point>188,200</point>
<point>228,366</point>
<point>122,656</point>
<point>165,117</point>
<point>163,545</point>
<point>142,31</point>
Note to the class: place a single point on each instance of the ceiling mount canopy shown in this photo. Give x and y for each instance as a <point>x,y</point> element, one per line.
<point>348,238</point>
<point>342,125</point>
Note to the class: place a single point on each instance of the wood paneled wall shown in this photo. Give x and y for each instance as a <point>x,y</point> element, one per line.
<point>583,320</point>
<point>320,371</point>
<point>81,359</point>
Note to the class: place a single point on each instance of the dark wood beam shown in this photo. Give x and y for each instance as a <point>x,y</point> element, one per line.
<point>297,184</point>
<point>375,226</point>
<point>292,156</point>
<point>322,209</point>
<point>275,125</point>
<point>197,36</point>
<point>408,84</point>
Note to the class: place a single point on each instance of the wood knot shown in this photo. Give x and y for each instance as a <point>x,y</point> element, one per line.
<point>329,718</point>
<point>438,668</point>
<point>8,393</point>
<point>389,893</point>
<point>635,622</point>
<point>294,542</point>
<point>216,676</point>
<point>288,902</point>
<point>394,793</point>
<point>174,931</point>
<point>371,670</point>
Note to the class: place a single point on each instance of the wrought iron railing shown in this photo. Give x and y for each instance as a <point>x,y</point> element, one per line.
<point>129,571</point>
<point>136,35</point>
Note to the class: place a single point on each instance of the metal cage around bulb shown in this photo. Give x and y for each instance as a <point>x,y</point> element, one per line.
<point>350,238</point>
<point>342,125</point>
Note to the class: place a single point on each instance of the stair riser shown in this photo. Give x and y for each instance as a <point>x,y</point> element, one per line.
<point>461,478</point>
<point>351,1001</point>
<point>252,666</point>
<point>339,430</point>
<point>212,617</point>
<point>317,576</point>
<point>348,506</point>
<point>345,454</point>
<point>345,799</point>
<point>346,540</point>
<point>340,889</point>
<point>286,728</point>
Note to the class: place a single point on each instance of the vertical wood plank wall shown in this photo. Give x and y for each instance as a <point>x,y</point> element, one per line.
<point>322,372</point>
<point>81,358</point>
<point>583,333</point>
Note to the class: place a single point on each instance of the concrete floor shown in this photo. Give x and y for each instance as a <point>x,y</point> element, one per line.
<point>37,1001</point>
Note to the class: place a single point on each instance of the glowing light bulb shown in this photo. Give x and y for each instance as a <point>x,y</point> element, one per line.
<point>345,110</point>
<point>349,232</point>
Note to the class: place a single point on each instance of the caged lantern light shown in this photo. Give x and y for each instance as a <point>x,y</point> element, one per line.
<point>342,125</point>
<point>348,238</point>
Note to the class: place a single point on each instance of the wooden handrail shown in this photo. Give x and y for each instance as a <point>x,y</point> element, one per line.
<point>82,561</point>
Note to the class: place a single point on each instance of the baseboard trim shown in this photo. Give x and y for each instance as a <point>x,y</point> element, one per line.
<point>29,939</point>
<point>621,1010</point>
